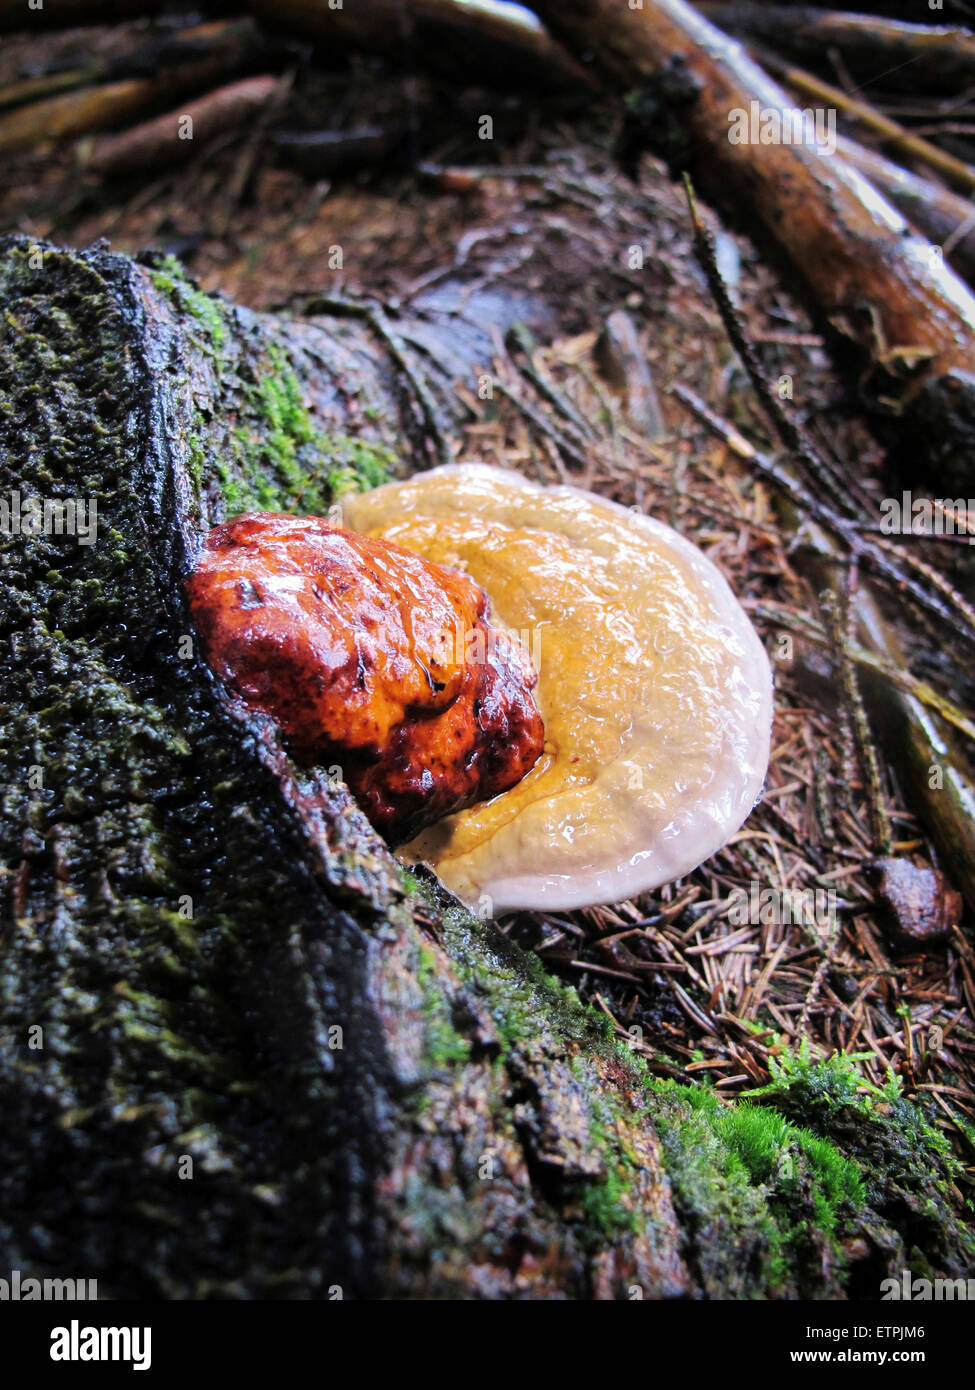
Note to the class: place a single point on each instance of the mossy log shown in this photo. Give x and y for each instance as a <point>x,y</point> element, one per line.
<point>243,1054</point>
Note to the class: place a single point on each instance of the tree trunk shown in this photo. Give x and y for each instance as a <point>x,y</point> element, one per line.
<point>244,1054</point>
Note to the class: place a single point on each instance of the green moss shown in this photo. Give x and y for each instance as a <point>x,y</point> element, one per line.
<point>170,278</point>
<point>514,986</point>
<point>314,468</point>
<point>735,1241</point>
<point>609,1205</point>
<point>827,1153</point>
<point>196,460</point>
<point>766,1194</point>
<point>611,1202</point>
<point>410,882</point>
<point>824,1086</point>
<point>829,1080</point>
<point>810,1186</point>
<point>906,1161</point>
<point>358,464</point>
<point>276,458</point>
<point>284,461</point>
<point>444,1046</point>
<point>767,1201</point>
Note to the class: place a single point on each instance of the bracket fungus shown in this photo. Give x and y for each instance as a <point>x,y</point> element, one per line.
<point>654,689</point>
<point>367,656</point>
<point>638,753</point>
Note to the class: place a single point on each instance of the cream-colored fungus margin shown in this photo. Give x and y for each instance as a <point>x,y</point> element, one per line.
<point>655,689</point>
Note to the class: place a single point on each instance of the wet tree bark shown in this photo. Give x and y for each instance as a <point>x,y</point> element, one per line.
<point>242,1053</point>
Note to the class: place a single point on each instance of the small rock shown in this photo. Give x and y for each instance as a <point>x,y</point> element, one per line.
<point>920,905</point>
<point>621,361</point>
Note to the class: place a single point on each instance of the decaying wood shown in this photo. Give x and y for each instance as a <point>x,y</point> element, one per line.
<point>947,220</point>
<point>76,113</point>
<point>927,756</point>
<point>500,47</point>
<point>911,319</point>
<point>163,141</point>
<point>912,56</point>
<point>227,44</point>
<point>895,135</point>
<point>935,771</point>
<point>108,105</point>
<point>910,316</point>
<point>958,11</point>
